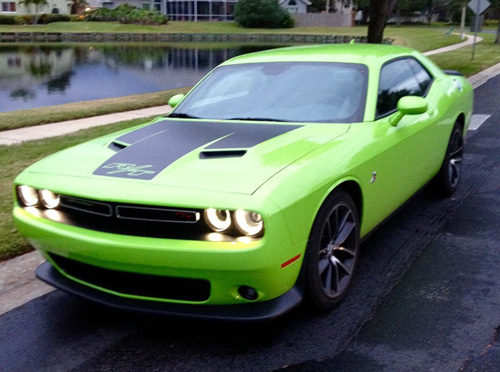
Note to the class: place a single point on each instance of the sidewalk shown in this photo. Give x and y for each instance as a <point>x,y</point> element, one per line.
<point>15,136</point>
<point>17,282</point>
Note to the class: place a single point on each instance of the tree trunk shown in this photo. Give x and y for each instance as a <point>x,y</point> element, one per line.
<point>36,14</point>
<point>430,9</point>
<point>497,38</point>
<point>379,13</point>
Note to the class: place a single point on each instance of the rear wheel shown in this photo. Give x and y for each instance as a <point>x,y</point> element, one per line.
<point>449,175</point>
<point>332,251</point>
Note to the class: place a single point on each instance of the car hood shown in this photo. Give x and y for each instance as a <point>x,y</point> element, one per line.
<point>225,156</point>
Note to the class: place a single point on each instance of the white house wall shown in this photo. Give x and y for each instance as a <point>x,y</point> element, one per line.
<point>21,9</point>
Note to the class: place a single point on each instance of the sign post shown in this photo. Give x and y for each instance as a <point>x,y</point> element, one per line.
<point>477,6</point>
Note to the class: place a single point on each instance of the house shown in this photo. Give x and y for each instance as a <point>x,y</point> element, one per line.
<point>217,10</point>
<point>14,7</point>
<point>295,6</point>
<point>184,10</point>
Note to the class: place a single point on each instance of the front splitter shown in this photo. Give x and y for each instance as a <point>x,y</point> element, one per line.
<point>257,311</point>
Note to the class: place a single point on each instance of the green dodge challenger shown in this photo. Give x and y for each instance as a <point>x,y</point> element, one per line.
<point>255,192</point>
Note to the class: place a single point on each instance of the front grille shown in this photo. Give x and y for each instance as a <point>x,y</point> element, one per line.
<point>130,219</point>
<point>154,286</point>
<point>88,206</point>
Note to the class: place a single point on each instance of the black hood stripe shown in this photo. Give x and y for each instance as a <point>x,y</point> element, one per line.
<point>154,147</point>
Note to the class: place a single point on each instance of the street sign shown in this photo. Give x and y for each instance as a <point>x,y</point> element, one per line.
<point>478,6</point>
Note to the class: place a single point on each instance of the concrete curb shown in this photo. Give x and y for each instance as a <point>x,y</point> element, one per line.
<point>485,75</point>
<point>18,284</point>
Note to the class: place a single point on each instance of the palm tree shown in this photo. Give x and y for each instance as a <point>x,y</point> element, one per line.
<point>36,3</point>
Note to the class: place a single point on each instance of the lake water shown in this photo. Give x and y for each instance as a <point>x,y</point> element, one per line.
<point>44,75</point>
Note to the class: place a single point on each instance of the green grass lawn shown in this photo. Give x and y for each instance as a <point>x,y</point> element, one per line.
<point>78,110</point>
<point>487,54</point>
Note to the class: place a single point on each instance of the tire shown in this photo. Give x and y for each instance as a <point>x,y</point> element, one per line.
<point>332,251</point>
<point>448,177</point>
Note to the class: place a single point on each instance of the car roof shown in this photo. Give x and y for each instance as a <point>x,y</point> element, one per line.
<point>344,53</point>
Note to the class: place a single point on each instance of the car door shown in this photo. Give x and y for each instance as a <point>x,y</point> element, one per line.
<point>402,161</point>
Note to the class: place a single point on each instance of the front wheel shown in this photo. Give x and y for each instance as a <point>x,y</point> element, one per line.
<point>449,175</point>
<point>332,251</point>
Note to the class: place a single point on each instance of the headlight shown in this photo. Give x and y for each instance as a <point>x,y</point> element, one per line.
<point>218,219</point>
<point>248,223</point>
<point>49,199</point>
<point>28,195</point>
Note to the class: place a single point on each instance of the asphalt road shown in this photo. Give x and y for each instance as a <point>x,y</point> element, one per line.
<point>426,298</point>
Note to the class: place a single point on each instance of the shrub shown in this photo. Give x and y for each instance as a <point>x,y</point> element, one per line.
<point>101,15</point>
<point>143,17</point>
<point>126,13</point>
<point>262,14</point>
<point>76,18</point>
<point>25,20</point>
<point>58,18</point>
<point>8,20</point>
<point>51,18</point>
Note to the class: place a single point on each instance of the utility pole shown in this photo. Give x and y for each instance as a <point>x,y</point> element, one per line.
<point>462,23</point>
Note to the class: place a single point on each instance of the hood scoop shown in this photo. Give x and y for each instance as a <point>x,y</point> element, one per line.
<point>222,154</point>
<point>118,145</point>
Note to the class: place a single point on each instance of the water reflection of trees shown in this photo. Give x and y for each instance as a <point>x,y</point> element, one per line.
<point>60,83</point>
<point>160,57</point>
<point>54,66</point>
<point>24,94</point>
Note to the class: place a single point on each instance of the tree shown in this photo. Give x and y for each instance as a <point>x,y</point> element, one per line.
<point>261,14</point>
<point>495,4</point>
<point>77,6</point>
<point>379,13</point>
<point>37,4</point>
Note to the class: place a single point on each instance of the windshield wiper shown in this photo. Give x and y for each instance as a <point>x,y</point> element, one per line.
<point>182,116</point>
<point>257,119</point>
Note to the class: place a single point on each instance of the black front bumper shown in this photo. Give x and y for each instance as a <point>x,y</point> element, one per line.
<point>257,311</point>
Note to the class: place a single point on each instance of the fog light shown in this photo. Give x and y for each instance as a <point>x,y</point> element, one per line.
<point>248,293</point>
<point>28,195</point>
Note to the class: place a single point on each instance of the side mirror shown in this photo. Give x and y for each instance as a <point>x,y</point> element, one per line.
<point>409,105</point>
<point>175,100</point>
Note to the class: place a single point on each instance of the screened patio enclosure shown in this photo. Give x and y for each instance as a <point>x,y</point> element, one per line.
<point>192,10</point>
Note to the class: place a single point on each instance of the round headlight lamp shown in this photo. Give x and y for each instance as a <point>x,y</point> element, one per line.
<point>218,219</point>
<point>49,199</point>
<point>248,223</point>
<point>28,195</point>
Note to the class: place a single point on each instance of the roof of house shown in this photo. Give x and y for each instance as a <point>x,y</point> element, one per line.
<point>307,2</point>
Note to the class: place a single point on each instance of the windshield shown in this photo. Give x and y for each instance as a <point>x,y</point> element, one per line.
<point>289,91</point>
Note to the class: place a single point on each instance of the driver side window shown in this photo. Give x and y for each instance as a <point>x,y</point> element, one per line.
<point>397,80</point>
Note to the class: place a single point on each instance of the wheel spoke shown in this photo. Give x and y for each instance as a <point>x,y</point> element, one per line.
<point>339,263</point>
<point>327,280</point>
<point>344,233</point>
<point>456,151</point>
<point>323,264</point>
<point>335,278</point>
<point>345,250</point>
<point>329,232</point>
